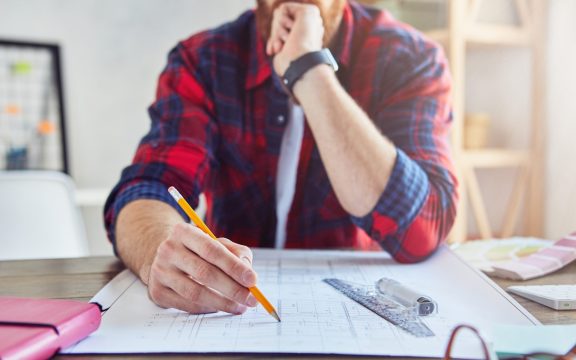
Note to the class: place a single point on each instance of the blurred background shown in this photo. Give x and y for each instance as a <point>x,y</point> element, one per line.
<point>76,78</point>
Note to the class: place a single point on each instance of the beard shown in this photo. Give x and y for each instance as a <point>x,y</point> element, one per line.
<point>330,17</point>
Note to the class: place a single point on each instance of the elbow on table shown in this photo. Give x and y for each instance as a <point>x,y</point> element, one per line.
<point>419,242</point>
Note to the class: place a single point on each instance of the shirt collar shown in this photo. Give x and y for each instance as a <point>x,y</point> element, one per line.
<point>260,65</point>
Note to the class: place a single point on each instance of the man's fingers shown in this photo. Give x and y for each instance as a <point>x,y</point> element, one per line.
<point>283,34</point>
<point>278,33</point>
<point>241,251</point>
<point>201,295</point>
<point>277,46</point>
<point>211,276</point>
<point>288,14</point>
<point>168,298</point>
<point>286,22</point>
<point>303,22</point>
<point>282,19</point>
<point>196,278</point>
<point>268,47</point>
<point>271,47</point>
<point>216,253</point>
<point>281,25</point>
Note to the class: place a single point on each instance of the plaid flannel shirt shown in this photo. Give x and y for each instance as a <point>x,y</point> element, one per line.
<point>217,125</point>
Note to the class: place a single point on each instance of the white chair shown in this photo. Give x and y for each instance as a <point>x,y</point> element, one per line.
<point>39,218</point>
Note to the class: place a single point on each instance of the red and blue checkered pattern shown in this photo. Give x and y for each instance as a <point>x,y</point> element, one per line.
<point>217,126</point>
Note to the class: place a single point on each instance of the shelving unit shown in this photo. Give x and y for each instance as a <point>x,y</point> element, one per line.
<point>463,31</point>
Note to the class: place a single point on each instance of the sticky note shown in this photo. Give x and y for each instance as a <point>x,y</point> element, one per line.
<point>21,68</point>
<point>12,109</point>
<point>45,127</point>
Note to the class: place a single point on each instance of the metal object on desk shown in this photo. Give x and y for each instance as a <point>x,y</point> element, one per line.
<point>415,301</point>
<point>404,317</point>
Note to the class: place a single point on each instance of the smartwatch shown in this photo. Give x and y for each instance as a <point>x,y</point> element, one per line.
<point>301,65</point>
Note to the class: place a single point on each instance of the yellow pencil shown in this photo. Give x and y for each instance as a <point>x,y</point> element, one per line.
<point>198,222</point>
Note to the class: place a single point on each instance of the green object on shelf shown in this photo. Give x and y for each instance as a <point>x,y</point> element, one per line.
<point>21,68</point>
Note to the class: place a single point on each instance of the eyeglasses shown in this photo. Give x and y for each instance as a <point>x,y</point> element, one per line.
<point>533,356</point>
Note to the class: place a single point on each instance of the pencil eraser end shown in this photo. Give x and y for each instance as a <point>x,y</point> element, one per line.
<point>175,194</point>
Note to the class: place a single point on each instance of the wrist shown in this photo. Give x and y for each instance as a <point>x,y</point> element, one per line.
<point>304,64</point>
<point>318,78</point>
<point>282,62</point>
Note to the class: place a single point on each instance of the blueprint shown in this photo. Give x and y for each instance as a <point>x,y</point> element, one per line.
<point>316,319</point>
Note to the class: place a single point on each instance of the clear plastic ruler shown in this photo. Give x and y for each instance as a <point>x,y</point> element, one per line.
<point>386,308</point>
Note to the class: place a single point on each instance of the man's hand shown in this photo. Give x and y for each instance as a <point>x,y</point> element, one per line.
<point>194,273</point>
<point>297,29</point>
<point>183,267</point>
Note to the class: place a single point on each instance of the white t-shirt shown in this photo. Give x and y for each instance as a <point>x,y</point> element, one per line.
<point>287,171</point>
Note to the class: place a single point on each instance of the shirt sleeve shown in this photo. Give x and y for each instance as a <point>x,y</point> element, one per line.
<point>417,208</point>
<point>178,149</point>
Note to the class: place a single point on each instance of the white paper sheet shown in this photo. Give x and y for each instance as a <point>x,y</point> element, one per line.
<point>315,317</point>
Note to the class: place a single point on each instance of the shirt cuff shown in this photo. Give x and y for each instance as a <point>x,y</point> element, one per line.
<point>403,197</point>
<point>142,190</point>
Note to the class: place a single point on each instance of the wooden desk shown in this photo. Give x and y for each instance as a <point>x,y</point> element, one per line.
<point>81,278</point>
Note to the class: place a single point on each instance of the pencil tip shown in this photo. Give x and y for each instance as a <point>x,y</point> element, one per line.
<point>275,315</point>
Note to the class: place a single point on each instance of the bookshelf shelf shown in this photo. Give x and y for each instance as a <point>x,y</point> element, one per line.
<point>494,158</point>
<point>486,35</point>
<point>441,36</point>
<point>497,35</point>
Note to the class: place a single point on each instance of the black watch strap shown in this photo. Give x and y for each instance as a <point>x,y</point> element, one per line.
<point>300,66</point>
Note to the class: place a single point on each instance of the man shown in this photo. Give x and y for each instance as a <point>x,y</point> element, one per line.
<point>289,153</point>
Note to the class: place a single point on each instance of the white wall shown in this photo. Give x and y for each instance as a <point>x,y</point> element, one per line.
<point>113,51</point>
<point>561,159</point>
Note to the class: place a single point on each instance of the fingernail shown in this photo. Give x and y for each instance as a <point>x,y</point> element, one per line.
<point>240,309</point>
<point>248,278</point>
<point>251,301</point>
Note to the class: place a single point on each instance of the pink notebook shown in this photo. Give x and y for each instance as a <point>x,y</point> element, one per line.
<point>39,328</point>
<point>542,262</point>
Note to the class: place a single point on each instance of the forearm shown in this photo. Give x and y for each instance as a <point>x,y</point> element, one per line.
<point>357,157</point>
<point>141,226</point>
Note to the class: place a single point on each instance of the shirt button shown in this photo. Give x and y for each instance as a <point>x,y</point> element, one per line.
<point>280,119</point>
